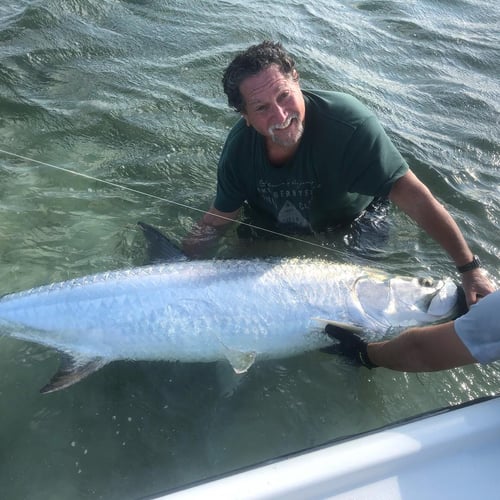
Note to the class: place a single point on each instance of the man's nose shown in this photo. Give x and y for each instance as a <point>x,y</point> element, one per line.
<point>279,114</point>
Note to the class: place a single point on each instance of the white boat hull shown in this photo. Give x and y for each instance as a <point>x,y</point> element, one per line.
<point>451,454</point>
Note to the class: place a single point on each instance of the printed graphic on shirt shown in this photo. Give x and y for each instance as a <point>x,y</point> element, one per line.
<point>290,200</point>
<point>290,216</point>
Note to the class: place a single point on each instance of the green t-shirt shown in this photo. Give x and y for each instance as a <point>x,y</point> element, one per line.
<point>344,161</point>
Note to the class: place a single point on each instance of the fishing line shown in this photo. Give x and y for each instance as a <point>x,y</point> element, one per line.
<point>171,202</point>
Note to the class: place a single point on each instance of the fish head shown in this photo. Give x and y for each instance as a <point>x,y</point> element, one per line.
<point>401,302</point>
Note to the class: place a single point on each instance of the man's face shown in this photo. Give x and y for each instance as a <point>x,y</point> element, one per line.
<point>274,106</point>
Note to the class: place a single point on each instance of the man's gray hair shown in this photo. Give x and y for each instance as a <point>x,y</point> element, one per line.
<point>250,62</point>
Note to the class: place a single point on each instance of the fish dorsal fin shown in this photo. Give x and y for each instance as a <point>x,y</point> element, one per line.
<point>160,248</point>
<point>240,361</point>
<point>347,326</point>
<point>70,372</point>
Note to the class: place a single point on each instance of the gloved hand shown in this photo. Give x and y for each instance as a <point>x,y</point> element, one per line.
<point>349,344</point>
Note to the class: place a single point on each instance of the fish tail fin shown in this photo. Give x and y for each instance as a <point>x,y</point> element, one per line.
<point>71,371</point>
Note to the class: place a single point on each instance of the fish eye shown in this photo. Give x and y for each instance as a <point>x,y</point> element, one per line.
<point>427,282</point>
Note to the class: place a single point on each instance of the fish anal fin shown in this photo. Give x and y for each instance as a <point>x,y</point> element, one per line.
<point>71,371</point>
<point>346,326</point>
<point>240,361</point>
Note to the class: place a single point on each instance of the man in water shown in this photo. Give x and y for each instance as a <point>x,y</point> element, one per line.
<point>308,161</point>
<point>471,338</point>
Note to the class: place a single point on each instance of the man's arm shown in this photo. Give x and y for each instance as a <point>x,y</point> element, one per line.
<point>206,231</point>
<point>416,200</point>
<point>424,349</point>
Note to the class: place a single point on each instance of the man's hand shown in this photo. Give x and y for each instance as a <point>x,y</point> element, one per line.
<point>476,285</point>
<point>204,234</point>
<point>349,344</point>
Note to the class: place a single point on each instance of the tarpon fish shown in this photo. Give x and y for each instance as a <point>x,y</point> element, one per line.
<point>209,310</point>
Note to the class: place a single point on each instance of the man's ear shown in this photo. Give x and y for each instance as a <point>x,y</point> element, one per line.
<point>295,74</point>
<point>245,117</point>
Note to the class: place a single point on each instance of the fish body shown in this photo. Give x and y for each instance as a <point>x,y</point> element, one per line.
<point>239,310</point>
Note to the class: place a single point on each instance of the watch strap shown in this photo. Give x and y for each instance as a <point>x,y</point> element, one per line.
<point>473,264</point>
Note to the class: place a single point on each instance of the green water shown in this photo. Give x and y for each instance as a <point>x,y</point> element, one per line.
<point>129,93</point>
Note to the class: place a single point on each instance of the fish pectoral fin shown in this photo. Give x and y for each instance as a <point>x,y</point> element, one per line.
<point>71,371</point>
<point>347,326</point>
<point>240,361</point>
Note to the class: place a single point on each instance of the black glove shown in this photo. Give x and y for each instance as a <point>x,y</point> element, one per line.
<point>349,345</point>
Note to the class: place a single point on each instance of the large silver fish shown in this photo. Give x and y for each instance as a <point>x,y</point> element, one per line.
<point>238,310</point>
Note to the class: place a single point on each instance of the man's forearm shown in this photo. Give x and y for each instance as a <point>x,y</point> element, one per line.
<point>429,348</point>
<point>416,200</point>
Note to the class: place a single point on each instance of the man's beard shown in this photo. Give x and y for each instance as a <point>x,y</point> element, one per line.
<point>291,140</point>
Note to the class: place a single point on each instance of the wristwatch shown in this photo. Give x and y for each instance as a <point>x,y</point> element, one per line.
<point>473,264</point>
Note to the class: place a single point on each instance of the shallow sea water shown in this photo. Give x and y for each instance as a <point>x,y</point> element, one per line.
<point>127,95</point>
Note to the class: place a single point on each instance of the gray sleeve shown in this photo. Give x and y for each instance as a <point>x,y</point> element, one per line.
<point>479,329</point>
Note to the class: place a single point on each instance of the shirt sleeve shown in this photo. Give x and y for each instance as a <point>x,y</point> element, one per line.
<point>230,194</point>
<point>374,162</point>
<point>479,328</point>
